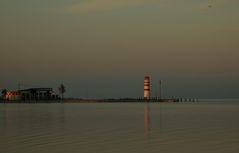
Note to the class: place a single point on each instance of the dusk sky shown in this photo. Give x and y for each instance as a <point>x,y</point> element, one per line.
<point>104,48</point>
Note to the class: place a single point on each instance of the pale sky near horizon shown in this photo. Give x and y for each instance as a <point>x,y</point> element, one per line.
<point>103,48</point>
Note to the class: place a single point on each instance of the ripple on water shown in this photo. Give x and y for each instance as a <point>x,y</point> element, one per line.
<point>119,128</point>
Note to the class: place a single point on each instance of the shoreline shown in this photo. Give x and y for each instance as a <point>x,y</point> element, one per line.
<point>125,100</point>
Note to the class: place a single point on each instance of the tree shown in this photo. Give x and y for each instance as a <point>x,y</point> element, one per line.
<point>4,91</point>
<point>62,90</point>
<point>33,94</point>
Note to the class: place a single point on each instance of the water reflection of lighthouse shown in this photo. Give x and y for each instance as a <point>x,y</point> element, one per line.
<point>147,119</point>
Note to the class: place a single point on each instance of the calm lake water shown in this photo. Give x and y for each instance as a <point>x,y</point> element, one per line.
<point>200,127</point>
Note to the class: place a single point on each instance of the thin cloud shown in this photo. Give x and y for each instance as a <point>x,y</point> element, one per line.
<point>213,4</point>
<point>104,5</point>
<point>90,6</point>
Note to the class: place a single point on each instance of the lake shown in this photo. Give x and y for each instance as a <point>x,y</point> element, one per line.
<point>199,127</point>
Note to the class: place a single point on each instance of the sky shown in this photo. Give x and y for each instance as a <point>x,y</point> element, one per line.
<point>104,48</point>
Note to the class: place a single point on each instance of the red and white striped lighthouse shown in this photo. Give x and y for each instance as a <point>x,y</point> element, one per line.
<point>146,87</point>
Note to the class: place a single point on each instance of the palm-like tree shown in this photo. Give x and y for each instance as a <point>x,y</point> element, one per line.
<point>62,90</point>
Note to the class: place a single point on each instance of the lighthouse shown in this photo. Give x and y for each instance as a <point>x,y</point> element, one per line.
<point>146,87</point>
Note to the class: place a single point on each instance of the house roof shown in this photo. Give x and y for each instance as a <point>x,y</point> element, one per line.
<point>37,89</point>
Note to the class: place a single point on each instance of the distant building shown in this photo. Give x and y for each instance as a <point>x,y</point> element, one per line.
<point>38,94</point>
<point>12,95</point>
<point>30,94</point>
